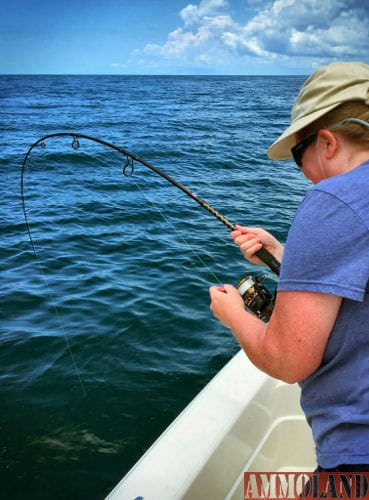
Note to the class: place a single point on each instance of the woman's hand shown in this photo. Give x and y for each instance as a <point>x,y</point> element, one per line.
<point>252,239</point>
<point>226,304</point>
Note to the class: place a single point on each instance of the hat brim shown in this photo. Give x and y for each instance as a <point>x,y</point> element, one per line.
<point>281,148</point>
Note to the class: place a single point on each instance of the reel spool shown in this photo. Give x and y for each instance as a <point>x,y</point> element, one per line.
<point>257,299</point>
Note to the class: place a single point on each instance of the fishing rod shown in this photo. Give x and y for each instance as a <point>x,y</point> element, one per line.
<point>128,170</point>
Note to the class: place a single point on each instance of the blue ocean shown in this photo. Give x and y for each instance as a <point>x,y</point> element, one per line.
<point>106,332</point>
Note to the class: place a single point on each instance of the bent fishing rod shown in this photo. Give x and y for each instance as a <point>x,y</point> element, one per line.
<point>128,170</point>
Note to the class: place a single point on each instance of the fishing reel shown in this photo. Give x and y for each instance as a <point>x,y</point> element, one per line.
<point>257,298</point>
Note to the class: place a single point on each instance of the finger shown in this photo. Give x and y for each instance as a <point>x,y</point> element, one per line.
<point>243,238</point>
<point>244,229</point>
<point>230,289</point>
<point>240,228</point>
<point>235,234</point>
<point>250,248</point>
<point>215,288</point>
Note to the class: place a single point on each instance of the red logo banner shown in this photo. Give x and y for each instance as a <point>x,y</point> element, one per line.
<point>296,485</point>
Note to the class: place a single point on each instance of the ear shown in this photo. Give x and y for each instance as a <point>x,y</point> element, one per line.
<point>327,140</point>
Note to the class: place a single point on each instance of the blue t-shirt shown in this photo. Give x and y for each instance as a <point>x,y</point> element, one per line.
<point>327,251</point>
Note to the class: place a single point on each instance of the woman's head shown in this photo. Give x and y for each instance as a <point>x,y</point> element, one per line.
<point>350,119</point>
<point>328,96</point>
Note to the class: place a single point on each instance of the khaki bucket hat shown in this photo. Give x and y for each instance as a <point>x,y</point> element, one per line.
<point>324,90</point>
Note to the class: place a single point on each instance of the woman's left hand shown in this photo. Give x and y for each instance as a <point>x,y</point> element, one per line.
<point>226,304</point>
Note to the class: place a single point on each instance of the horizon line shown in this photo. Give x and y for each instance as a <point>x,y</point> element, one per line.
<point>158,74</point>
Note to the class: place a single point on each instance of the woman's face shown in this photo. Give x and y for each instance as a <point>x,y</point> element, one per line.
<point>312,163</point>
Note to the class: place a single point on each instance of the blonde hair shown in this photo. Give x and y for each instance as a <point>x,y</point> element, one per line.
<point>353,131</point>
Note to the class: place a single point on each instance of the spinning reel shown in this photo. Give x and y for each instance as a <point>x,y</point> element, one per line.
<point>257,298</point>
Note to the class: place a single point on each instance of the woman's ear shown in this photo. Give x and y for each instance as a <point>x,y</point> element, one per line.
<point>328,143</point>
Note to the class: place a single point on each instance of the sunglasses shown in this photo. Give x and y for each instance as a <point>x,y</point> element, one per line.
<point>298,150</point>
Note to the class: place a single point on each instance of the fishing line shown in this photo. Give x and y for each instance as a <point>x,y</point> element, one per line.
<point>128,169</point>
<point>179,235</point>
<point>56,311</point>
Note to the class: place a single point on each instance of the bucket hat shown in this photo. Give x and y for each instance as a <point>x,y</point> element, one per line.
<point>324,90</point>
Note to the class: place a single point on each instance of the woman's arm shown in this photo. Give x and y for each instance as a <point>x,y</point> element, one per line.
<point>291,346</point>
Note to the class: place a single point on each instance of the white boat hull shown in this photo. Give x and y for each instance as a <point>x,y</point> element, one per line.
<point>241,421</point>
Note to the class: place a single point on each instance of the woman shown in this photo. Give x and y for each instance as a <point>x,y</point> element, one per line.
<point>318,334</point>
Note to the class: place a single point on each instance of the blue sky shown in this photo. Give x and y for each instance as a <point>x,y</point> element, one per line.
<point>180,36</point>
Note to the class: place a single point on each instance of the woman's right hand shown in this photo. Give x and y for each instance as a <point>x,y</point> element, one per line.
<point>252,239</point>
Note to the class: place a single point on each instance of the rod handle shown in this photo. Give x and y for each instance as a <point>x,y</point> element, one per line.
<point>269,260</point>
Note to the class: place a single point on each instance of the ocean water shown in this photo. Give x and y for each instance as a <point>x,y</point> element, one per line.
<point>106,333</point>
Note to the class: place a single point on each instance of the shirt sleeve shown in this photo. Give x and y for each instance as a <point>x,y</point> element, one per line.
<point>327,249</point>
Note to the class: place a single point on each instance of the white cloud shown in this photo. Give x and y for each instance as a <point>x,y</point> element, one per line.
<point>193,14</point>
<point>289,30</point>
<point>208,34</point>
<point>309,27</point>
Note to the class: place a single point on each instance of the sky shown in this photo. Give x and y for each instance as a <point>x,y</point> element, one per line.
<point>223,37</point>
